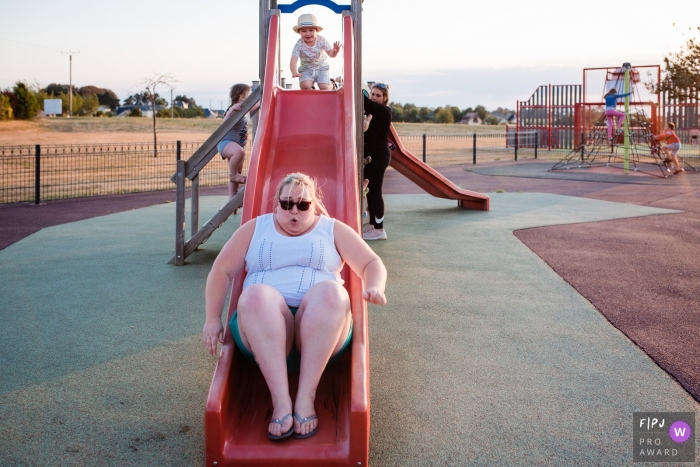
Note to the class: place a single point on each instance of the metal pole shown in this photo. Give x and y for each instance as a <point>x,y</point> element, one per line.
<point>178,152</point>
<point>172,110</point>
<point>70,88</point>
<point>627,68</point>
<point>194,206</point>
<point>474,148</point>
<point>424,144</point>
<point>70,54</point>
<point>256,117</point>
<point>516,145</point>
<point>537,134</point>
<point>356,9</point>
<point>180,214</point>
<point>549,121</point>
<point>37,174</point>
<point>273,6</point>
<point>262,43</point>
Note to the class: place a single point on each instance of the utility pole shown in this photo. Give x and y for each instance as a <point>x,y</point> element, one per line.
<point>171,104</point>
<point>70,85</point>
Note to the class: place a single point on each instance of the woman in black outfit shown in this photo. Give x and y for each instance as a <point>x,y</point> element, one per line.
<point>376,147</point>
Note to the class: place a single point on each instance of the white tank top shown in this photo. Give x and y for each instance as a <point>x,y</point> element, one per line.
<point>292,265</point>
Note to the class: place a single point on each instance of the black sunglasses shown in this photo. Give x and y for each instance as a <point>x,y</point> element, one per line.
<point>288,204</point>
<point>381,85</point>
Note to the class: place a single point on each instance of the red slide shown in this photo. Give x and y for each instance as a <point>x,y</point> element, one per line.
<point>311,132</point>
<point>430,180</point>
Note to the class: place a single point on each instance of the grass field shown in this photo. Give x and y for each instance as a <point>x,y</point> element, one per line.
<point>100,131</point>
<point>128,124</point>
<point>439,128</point>
<point>98,168</point>
<point>141,125</point>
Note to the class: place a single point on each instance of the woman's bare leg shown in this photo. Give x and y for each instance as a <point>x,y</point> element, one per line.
<point>267,329</point>
<point>322,325</point>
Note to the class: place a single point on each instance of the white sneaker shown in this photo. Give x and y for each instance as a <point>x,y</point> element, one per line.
<point>367,228</point>
<point>374,234</point>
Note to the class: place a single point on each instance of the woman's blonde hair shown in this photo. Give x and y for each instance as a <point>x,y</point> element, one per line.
<point>298,178</point>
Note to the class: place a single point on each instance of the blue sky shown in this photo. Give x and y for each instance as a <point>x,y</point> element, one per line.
<point>433,53</point>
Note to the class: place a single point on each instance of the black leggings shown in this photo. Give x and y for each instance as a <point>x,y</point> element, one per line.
<point>374,172</point>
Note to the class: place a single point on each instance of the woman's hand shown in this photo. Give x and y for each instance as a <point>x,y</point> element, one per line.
<point>336,47</point>
<point>374,295</point>
<point>296,74</point>
<point>236,107</point>
<point>212,333</point>
<point>368,118</point>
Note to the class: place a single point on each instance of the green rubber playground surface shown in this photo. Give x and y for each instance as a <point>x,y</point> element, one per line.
<point>483,356</point>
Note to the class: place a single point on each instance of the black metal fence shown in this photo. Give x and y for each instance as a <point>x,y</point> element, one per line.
<point>49,172</point>
<point>466,148</point>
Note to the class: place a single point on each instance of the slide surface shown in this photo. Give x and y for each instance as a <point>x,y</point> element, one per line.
<point>311,132</point>
<point>430,180</point>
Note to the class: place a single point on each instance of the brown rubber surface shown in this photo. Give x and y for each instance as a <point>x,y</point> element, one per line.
<point>643,274</point>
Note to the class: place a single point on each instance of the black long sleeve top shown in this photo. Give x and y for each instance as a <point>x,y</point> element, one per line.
<point>378,131</point>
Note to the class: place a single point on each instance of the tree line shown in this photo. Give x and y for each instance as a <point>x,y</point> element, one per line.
<point>448,114</point>
<point>681,81</point>
<point>24,101</point>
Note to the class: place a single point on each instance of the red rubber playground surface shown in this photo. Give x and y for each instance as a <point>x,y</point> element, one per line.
<point>641,273</point>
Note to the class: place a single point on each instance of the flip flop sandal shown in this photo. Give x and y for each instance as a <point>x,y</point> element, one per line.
<point>301,422</point>
<point>280,422</point>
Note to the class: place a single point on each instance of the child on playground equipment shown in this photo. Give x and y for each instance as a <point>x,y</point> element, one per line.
<point>672,146</point>
<point>694,133</point>
<point>611,111</point>
<point>232,146</point>
<point>293,301</point>
<point>311,50</point>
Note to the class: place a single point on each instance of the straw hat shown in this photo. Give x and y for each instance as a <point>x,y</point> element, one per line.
<point>307,21</point>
